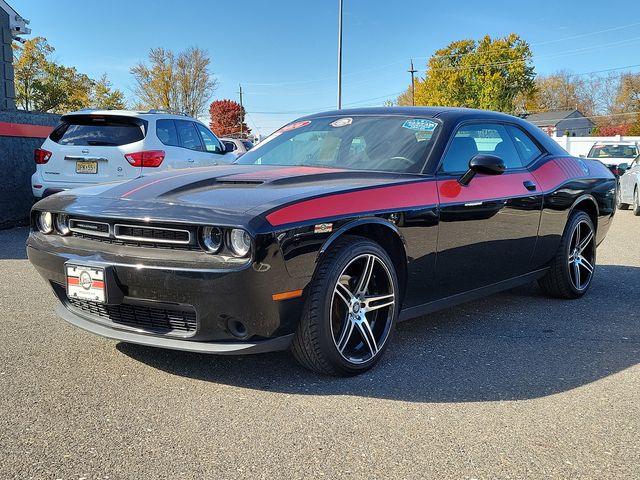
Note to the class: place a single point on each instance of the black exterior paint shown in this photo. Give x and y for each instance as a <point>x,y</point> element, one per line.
<point>444,253</point>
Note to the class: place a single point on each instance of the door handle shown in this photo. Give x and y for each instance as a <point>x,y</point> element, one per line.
<point>529,185</point>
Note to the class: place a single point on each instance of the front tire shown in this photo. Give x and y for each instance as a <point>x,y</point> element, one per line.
<point>350,310</point>
<point>571,270</point>
<point>636,202</point>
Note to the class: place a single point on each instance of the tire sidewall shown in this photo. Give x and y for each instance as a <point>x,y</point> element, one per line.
<point>339,262</point>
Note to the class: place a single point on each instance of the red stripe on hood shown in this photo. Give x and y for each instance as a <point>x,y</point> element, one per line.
<point>369,200</point>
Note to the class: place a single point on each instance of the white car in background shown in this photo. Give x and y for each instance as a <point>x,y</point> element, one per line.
<point>89,147</point>
<point>613,154</point>
<point>239,146</point>
<point>629,186</point>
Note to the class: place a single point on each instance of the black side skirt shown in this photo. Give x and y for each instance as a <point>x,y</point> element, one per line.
<point>426,308</point>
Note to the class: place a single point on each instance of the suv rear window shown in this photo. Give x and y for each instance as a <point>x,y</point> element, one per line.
<point>94,130</point>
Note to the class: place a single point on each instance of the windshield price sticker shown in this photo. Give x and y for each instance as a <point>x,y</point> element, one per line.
<point>420,124</point>
<point>342,122</point>
<point>293,126</point>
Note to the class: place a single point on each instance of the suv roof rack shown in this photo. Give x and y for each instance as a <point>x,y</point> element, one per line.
<point>161,110</point>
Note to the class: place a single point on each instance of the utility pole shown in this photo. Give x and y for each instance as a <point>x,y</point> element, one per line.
<point>339,54</point>
<point>412,71</point>
<point>240,114</point>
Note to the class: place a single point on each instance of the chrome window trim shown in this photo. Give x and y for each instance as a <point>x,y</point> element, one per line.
<point>151,240</point>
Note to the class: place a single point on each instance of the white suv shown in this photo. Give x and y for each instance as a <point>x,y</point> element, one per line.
<point>98,146</point>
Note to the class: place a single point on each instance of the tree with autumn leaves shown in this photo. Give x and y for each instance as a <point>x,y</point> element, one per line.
<point>228,119</point>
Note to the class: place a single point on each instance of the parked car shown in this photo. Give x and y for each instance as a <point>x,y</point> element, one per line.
<point>239,146</point>
<point>613,154</point>
<point>629,186</point>
<point>97,146</point>
<point>325,235</point>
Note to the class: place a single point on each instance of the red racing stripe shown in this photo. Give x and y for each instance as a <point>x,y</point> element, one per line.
<point>24,130</point>
<point>370,200</point>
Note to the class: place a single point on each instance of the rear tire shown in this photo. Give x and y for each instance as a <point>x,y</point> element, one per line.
<point>619,204</point>
<point>571,270</point>
<point>636,202</point>
<point>350,309</point>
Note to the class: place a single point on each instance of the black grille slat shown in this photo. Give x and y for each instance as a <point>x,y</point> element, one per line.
<point>153,233</point>
<point>132,243</point>
<point>152,319</point>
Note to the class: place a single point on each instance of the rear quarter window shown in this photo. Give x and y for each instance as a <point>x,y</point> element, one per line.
<point>87,130</point>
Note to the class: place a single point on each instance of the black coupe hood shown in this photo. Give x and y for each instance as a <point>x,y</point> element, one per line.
<point>228,194</point>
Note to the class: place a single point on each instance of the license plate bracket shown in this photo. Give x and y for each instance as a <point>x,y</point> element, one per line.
<point>86,167</point>
<point>86,282</point>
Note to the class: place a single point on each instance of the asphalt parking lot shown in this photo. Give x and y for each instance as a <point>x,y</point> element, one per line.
<point>513,386</point>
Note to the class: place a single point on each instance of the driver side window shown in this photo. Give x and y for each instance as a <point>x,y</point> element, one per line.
<point>470,140</point>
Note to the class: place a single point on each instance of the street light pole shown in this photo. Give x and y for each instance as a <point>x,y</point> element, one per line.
<point>339,54</point>
<point>412,71</point>
<point>240,115</point>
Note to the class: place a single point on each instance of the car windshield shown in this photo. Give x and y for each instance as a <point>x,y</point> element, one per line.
<point>376,143</point>
<point>613,151</point>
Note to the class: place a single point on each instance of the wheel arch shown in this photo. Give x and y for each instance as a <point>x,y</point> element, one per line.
<point>586,203</point>
<point>385,234</point>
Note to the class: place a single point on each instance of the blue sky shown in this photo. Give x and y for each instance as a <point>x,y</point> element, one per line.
<point>284,51</point>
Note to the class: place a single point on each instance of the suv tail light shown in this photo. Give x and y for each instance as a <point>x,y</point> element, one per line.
<point>41,156</point>
<point>150,158</point>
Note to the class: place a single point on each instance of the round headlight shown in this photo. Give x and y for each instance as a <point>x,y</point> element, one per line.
<point>45,222</point>
<point>211,239</point>
<point>62,224</point>
<point>239,242</point>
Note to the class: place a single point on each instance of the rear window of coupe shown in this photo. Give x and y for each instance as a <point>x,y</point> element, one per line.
<point>89,130</point>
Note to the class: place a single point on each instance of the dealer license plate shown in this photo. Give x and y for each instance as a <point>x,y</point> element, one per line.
<point>86,167</point>
<point>86,283</point>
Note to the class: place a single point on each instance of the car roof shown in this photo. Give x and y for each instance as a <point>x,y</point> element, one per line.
<point>437,112</point>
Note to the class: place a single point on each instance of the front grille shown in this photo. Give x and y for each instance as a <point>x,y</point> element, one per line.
<point>132,235</point>
<point>89,227</point>
<point>159,320</point>
<point>130,243</point>
<point>151,234</point>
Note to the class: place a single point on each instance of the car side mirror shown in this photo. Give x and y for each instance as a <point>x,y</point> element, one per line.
<point>623,167</point>
<point>485,164</point>
<point>582,156</point>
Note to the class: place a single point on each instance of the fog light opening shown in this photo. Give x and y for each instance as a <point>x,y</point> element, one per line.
<point>237,329</point>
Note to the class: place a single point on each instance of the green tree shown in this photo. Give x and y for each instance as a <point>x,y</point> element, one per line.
<point>103,97</point>
<point>30,62</point>
<point>490,74</point>
<point>171,81</point>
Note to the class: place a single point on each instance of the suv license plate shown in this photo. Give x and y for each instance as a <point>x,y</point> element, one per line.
<point>85,283</point>
<point>86,167</point>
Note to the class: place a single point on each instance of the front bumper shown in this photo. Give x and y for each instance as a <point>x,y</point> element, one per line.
<point>153,281</point>
<point>219,348</point>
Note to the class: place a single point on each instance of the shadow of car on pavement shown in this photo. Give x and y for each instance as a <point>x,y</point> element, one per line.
<point>514,345</point>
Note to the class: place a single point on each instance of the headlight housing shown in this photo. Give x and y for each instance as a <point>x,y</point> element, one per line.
<point>211,238</point>
<point>239,242</point>
<point>62,224</point>
<point>44,222</point>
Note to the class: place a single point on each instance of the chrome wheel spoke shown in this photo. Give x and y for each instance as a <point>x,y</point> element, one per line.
<point>576,274</point>
<point>387,300</point>
<point>367,335</point>
<point>344,293</point>
<point>363,283</point>
<point>585,243</point>
<point>586,264</point>
<point>347,330</point>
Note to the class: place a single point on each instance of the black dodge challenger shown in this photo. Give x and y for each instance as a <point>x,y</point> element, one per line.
<point>320,239</point>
